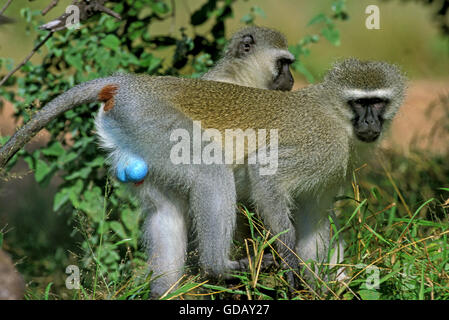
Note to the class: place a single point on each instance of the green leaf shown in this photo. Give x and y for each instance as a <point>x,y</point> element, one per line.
<point>258,11</point>
<point>123,241</point>
<point>271,240</point>
<point>47,291</point>
<point>160,7</point>
<point>117,227</point>
<point>75,61</point>
<point>60,199</point>
<point>67,157</point>
<point>421,288</point>
<point>317,19</point>
<point>97,162</point>
<point>83,173</point>
<point>55,150</point>
<point>414,215</point>
<point>42,170</point>
<point>369,294</point>
<point>374,192</point>
<point>130,219</point>
<point>92,203</point>
<point>74,192</point>
<point>332,35</point>
<point>30,161</point>
<point>111,41</point>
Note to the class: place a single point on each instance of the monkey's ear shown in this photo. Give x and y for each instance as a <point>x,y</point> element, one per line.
<point>246,45</point>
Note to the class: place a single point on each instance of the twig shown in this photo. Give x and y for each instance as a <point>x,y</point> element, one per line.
<point>87,9</point>
<point>53,4</point>
<point>5,6</point>
<point>3,19</point>
<point>5,78</point>
<point>101,8</point>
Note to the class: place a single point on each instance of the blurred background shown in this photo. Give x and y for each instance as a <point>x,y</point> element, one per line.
<point>410,36</point>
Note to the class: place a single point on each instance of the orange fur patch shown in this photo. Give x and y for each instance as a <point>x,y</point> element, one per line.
<point>107,95</point>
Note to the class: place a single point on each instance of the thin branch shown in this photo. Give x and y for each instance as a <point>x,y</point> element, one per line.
<point>5,6</point>
<point>4,19</point>
<point>36,48</point>
<point>108,11</point>
<point>53,4</point>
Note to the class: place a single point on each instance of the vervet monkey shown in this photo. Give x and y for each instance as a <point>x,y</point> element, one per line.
<point>323,130</point>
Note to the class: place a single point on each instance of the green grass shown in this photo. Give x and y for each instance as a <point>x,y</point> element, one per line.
<point>394,222</point>
<point>393,218</point>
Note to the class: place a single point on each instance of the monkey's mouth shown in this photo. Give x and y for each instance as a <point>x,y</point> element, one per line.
<point>367,135</point>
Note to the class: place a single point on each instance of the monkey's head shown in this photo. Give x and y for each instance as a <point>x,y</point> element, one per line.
<point>262,53</point>
<point>369,94</point>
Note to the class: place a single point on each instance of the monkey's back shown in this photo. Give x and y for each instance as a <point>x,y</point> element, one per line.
<point>168,103</point>
<point>224,106</point>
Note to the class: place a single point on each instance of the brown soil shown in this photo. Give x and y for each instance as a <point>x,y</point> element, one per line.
<point>423,120</point>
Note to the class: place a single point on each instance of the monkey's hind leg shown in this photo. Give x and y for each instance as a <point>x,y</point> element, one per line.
<point>213,207</point>
<point>165,236</point>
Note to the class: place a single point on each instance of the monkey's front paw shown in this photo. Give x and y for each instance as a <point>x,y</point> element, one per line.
<point>133,170</point>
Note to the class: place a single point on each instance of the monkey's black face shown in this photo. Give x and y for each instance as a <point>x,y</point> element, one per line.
<point>368,120</point>
<point>284,79</point>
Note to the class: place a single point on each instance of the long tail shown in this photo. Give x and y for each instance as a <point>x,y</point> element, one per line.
<point>83,93</point>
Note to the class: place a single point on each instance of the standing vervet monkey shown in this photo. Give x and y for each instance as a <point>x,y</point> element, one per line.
<point>323,131</point>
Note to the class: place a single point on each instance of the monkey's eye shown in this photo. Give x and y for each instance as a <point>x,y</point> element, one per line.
<point>376,104</point>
